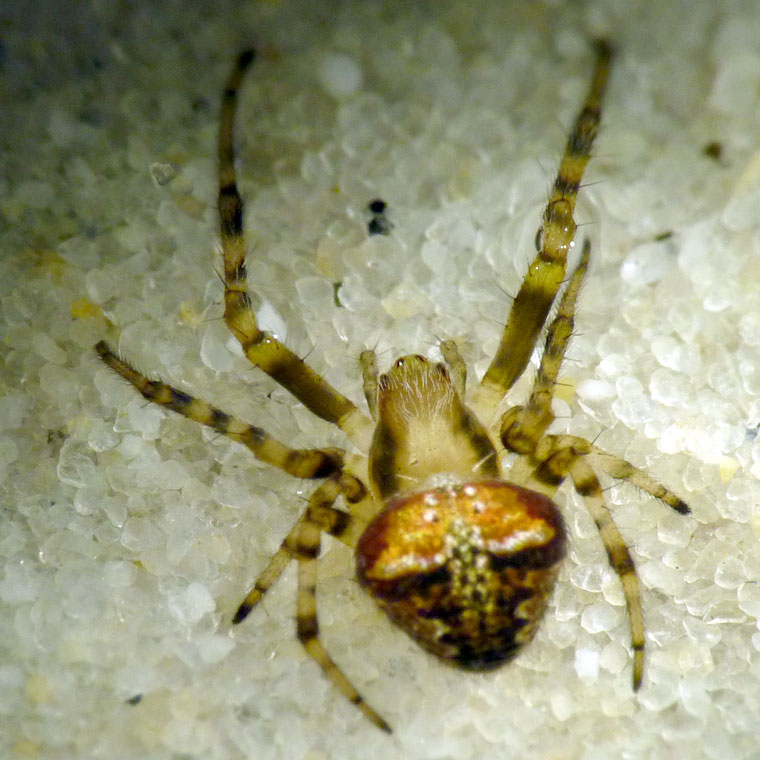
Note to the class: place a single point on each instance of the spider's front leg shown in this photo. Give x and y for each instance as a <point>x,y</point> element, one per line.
<point>262,349</point>
<point>523,426</point>
<point>554,240</point>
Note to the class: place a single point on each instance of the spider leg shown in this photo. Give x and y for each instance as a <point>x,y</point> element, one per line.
<point>301,463</point>
<point>523,426</point>
<point>308,627</point>
<point>268,576</point>
<point>320,512</point>
<point>303,544</point>
<point>555,238</point>
<point>568,461</point>
<point>620,469</point>
<point>261,349</point>
<point>623,470</point>
<point>587,485</point>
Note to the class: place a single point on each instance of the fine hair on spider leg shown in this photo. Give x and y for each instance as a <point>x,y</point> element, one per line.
<point>457,549</point>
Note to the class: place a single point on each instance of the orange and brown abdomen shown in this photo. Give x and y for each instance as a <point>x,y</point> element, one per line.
<point>466,570</point>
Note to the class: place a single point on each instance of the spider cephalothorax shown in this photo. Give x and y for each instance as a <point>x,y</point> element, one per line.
<point>460,552</point>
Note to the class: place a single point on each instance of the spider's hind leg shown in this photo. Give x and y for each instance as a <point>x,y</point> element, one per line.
<point>307,625</point>
<point>565,460</point>
<point>303,544</point>
<point>320,512</point>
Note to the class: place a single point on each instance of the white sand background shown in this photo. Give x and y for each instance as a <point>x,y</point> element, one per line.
<point>129,535</point>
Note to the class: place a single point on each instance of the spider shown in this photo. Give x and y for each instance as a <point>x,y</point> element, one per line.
<point>459,551</point>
